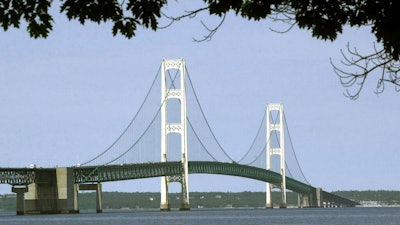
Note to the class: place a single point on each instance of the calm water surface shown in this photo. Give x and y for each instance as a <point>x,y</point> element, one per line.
<point>332,216</point>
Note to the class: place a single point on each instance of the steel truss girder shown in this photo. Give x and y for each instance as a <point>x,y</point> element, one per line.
<point>147,170</point>
<point>17,176</point>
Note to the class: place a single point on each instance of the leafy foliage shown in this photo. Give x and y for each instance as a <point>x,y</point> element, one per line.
<point>125,17</point>
<point>34,12</point>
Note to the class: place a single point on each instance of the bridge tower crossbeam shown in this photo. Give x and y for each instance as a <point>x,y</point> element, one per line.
<point>275,126</point>
<point>177,127</point>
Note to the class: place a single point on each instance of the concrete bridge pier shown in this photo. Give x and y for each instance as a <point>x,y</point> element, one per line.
<point>311,200</point>
<point>20,191</point>
<point>164,204</point>
<point>185,198</point>
<point>52,193</point>
<point>303,200</point>
<point>76,206</point>
<point>319,203</point>
<point>98,189</point>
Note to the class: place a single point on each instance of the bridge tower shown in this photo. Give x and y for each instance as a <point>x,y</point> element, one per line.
<point>276,128</point>
<point>175,90</point>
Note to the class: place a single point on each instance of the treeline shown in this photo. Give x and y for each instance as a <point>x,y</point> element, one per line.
<point>151,200</point>
<point>381,197</point>
<point>118,200</point>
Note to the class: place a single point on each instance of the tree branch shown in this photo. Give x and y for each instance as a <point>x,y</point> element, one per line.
<point>358,67</point>
<point>283,14</point>
<point>211,31</point>
<point>187,14</point>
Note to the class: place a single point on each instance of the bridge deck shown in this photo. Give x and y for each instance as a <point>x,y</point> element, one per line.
<point>136,171</point>
<point>90,174</point>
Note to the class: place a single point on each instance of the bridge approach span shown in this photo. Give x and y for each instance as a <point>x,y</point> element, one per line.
<point>17,176</point>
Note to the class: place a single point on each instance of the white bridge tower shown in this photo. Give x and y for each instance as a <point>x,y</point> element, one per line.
<point>276,129</point>
<point>176,90</point>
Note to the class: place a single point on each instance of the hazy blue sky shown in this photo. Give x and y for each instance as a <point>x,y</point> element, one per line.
<point>66,98</point>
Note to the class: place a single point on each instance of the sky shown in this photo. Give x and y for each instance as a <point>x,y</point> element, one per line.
<point>66,98</point>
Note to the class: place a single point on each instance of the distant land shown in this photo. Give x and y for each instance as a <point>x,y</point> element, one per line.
<point>151,200</point>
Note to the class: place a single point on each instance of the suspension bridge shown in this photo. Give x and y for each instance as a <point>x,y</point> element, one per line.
<point>170,138</point>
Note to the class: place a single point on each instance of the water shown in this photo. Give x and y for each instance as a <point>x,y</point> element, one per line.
<point>332,216</point>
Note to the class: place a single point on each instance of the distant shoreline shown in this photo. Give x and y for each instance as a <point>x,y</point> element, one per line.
<point>221,200</point>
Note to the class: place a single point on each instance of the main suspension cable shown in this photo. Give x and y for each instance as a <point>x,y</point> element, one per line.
<point>264,149</point>
<point>203,114</point>
<point>294,152</point>
<point>130,123</point>
<point>201,143</point>
<point>148,127</point>
<point>255,138</point>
